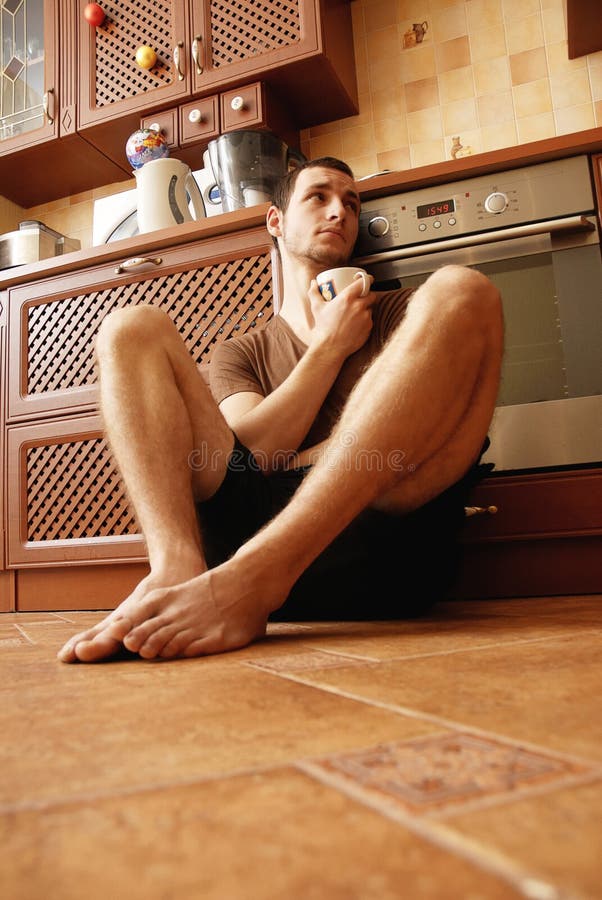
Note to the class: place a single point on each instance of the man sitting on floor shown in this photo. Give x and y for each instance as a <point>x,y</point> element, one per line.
<point>330,481</point>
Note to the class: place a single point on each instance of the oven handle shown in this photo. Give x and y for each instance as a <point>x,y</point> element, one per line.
<point>554,226</point>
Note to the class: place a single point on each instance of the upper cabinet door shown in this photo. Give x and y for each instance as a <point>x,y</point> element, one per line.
<point>28,73</point>
<point>233,40</point>
<point>112,83</point>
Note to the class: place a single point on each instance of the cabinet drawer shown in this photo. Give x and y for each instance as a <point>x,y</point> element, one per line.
<point>242,108</point>
<point>212,289</point>
<point>167,123</point>
<point>199,121</point>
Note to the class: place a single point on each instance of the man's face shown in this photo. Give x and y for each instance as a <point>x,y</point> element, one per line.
<point>321,221</point>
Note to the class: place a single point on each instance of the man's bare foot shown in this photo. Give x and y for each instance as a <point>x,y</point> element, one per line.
<point>219,610</point>
<point>97,643</point>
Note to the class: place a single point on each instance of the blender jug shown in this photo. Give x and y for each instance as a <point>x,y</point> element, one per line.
<point>247,164</point>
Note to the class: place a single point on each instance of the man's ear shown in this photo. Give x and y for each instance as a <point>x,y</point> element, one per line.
<point>273,221</point>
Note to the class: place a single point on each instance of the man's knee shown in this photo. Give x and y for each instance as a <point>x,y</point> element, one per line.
<point>468,294</point>
<point>133,327</point>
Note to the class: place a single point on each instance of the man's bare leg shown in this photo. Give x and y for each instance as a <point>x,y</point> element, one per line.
<point>156,409</point>
<point>431,394</point>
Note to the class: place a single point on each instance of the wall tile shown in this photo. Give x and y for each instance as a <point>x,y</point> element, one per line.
<point>326,145</point>
<point>570,89</point>
<point>494,108</point>
<point>449,23</point>
<point>457,84</point>
<point>483,14</point>
<point>358,141</point>
<point>536,128</point>
<point>531,65</point>
<point>460,116</point>
<point>418,62</point>
<point>533,98</point>
<point>516,9</point>
<point>554,25</point>
<point>388,102</point>
<point>424,125</point>
<point>575,118</point>
<point>426,153</point>
<point>595,77</point>
<point>395,160</point>
<point>488,43</point>
<point>492,75</point>
<point>558,59</point>
<point>390,133</point>
<point>453,54</point>
<point>383,44</point>
<point>496,137</point>
<point>524,33</point>
<point>421,94</point>
<point>598,112</point>
<point>380,15</point>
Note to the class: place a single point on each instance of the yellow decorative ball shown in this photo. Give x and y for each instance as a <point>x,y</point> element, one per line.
<point>146,57</point>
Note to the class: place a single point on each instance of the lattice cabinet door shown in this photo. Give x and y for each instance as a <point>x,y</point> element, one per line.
<point>211,289</point>
<point>66,501</point>
<point>234,38</point>
<point>112,83</point>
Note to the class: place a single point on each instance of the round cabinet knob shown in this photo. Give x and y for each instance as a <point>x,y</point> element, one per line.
<point>496,203</point>
<point>378,226</point>
<point>237,103</point>
<point>195,116</point>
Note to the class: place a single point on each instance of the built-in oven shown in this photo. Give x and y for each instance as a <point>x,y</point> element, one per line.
<point>533,231</point>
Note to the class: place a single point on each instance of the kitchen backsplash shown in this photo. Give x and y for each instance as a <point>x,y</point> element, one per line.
<point>437,79</point>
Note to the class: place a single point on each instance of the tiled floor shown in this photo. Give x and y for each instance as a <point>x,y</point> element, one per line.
<point>458,756</point>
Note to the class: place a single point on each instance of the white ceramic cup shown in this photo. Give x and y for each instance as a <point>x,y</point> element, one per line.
<point>333,281</point>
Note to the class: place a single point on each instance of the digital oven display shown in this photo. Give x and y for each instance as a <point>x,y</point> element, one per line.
<point>440,208</point>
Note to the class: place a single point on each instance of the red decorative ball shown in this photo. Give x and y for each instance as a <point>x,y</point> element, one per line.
<point>94,14</point>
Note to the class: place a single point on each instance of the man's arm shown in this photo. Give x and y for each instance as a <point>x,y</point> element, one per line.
<point>274,427</point>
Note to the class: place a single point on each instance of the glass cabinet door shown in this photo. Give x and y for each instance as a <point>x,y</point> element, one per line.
<point>21,67</point>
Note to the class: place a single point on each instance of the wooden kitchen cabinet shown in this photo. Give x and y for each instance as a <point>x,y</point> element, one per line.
<point>42,156</point>
<point>545,539</point>
<point>65,501</point>
<point>302,49</point>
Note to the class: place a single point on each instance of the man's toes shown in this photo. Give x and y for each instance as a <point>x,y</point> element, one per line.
<point>149,638</point>
<point>100,647</point>
<point>176,646</point>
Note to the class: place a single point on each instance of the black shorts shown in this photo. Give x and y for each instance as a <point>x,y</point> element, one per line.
<point>381,566</point>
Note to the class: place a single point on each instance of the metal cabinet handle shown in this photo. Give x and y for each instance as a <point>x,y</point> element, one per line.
<point>177,60</point>
<point>196,55</point>
<point>46,105</point>
<point>479,510</point>
<point>138,261</point>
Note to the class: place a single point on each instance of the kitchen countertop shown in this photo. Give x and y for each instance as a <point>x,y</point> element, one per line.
<point>254,217</point>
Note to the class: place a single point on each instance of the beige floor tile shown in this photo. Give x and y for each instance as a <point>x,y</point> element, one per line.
<point>79,730</point>
<point>262,837</point>
<point>558,834</point>
<point>547,692</point>
<point>454,627</point>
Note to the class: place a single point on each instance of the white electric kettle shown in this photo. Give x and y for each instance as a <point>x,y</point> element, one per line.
<point>165,188</point>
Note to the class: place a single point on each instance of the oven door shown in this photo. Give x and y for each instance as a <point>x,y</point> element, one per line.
<point>549,408</point>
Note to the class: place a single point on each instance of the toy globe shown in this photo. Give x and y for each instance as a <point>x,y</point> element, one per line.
<point>145,145</point>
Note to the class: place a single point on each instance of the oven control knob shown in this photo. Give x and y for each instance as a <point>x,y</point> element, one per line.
<point>496,203</point>
<point>378,226</point>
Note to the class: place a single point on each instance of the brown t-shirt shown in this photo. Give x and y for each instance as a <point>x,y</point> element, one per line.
<point>262,359</point>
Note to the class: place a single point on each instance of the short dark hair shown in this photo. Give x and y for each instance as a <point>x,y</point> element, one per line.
<point>283,189</point>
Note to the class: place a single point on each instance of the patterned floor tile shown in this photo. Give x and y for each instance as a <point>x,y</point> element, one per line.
<point>433,773</point>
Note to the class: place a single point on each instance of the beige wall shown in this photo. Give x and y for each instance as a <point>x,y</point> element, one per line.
<point>494,73</point>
